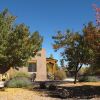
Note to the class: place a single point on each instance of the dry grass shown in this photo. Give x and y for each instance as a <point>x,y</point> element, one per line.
<point>82,90</point>
<point>22,94</point>
<point>81,84</point>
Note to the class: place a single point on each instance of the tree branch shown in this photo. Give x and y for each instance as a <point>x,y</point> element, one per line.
<point>79,67</point>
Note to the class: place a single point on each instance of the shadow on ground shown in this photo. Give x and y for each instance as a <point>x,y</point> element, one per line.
<point>84,92</point>
<point>78,92</point>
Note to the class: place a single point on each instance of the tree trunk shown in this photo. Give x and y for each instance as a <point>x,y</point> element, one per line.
<point>76,74</point>
<point>75,80</point>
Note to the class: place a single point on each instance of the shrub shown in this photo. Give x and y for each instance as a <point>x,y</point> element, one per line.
<point>83,79</point>
<point>60,75</point>
<point>52,87</point>
<point>50,76</point>
<point>89,79</point>
<point>63,93</point>
<point>42,85</point>
<point>19,82</point>
<point>21,74</point>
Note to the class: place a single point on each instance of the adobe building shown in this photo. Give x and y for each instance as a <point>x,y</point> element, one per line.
<point>38,65</point>
<point>51,65</point>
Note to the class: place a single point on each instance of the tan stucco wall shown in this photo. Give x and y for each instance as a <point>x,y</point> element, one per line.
<point>41,74</point>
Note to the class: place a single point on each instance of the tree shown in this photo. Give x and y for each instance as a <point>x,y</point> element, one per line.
<point>51,56</point>
<point>92,37</point>
<point>62,63</point>
<point>76,51</point>
<point>17,44</point>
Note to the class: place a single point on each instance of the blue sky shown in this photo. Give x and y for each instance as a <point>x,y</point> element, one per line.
<point>50,16</point>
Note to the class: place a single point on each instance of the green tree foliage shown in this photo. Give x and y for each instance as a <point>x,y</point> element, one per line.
<point>17,43</point>
<point>51,56</point>
<point>76,51</point>
<point>62,63</point>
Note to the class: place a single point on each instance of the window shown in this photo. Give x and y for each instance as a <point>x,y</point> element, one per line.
<point>32,67</point>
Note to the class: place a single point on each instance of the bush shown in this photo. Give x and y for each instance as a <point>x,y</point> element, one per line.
<point>60,75</point>
<point>89,79</point>
<point>63,93</point>
<point>50,76</point>
<point>21,74</point>
<point>52,87</point>
<point>42,85</point>
<point>19,82</point>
